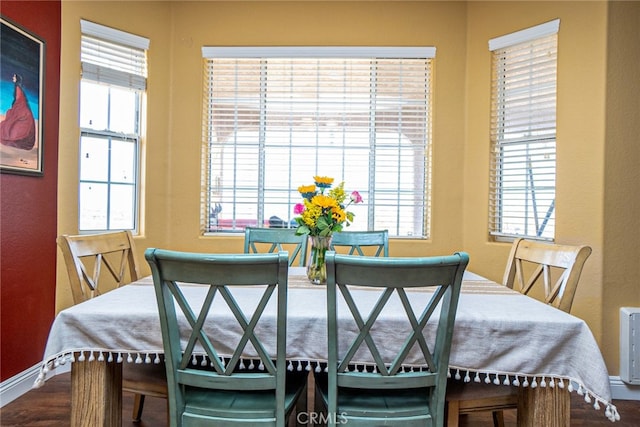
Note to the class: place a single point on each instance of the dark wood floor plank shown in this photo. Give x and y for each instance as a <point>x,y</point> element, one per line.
<point>50,406</point>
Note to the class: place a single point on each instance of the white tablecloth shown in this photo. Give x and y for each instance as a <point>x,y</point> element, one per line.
<point>500,336</point>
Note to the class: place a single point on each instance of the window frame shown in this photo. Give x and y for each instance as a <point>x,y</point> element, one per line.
<point>540,176</point>
<point>115,59</point>
<point>209,52</point>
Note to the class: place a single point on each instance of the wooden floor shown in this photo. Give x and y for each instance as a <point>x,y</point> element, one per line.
<point>49,406</point>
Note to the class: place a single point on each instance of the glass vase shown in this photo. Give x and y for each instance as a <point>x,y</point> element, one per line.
<point>316,266</point>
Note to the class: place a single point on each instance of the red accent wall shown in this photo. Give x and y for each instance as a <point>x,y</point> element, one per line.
<point>28,211</point>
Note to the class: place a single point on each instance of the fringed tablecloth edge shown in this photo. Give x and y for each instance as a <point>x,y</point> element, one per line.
<point>496,378</point>
<point>533,381</point>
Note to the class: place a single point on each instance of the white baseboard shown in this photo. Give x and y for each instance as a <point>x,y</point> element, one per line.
<point>19,384</point>
<point>623,391</point>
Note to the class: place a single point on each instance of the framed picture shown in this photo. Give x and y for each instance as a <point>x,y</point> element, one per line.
<point>21,100</point>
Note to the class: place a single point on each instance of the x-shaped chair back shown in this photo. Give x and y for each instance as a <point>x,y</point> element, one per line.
<point>271,240</point>
<point>219,274</point>
<point>549,270</point>
<point>438,281</point>
<point>86,255</point>
<point>355,241</point>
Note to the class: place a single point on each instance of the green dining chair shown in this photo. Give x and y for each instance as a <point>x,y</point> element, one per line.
<point>222,391</point>
<point>269,240</point>
<point>389,393</point>
<point>355,241</point>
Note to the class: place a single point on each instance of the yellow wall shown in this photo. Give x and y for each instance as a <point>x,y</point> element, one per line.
<point>156,25</point>
<point>580,135</point>
<point>460,31</point>
<point>620,250</point>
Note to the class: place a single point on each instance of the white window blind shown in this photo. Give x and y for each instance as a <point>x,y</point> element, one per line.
<point>523,133</point>
<point>113,57</point>
<point>275,117</point>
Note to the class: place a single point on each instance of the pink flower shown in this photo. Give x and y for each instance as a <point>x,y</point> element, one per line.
<point>356,197</point>
<point>298,208</point>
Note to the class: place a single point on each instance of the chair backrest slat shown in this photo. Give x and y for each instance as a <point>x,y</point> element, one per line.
<point>355,241</point>
<point>86,254</point>
<point>553,268</point>
<point>256,240</point>
<point>425,287</point>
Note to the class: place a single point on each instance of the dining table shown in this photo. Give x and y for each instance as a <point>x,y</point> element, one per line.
<point>501,337</point>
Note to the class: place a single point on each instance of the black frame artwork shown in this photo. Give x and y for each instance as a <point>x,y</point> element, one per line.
<point>22,64</point>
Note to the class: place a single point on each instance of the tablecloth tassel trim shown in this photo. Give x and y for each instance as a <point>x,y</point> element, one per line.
<point>533,381</point>
<point>496,380</point>
<point>515,379</point>
<point>611,412</point>
<point>92,355</point>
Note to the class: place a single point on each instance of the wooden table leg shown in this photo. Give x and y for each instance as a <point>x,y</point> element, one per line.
<point>96,394</point>
<point>544,406</point>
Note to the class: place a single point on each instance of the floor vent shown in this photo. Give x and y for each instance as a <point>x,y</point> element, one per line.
<point>630,345</point>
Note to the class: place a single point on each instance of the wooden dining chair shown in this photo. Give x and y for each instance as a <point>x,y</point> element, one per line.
<point>389,393</point>
<point>554,270</point>
<point>97,263</point>
<point>546,271</point>
<point>270,240</point>
<point>353,242</point>
<point>222,391</point>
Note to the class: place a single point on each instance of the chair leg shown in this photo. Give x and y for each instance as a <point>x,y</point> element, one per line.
<point>168,413</point>
<point>498,418</point>
<point>453,413</point>
<point>138,405</point>
<point>300,413</point>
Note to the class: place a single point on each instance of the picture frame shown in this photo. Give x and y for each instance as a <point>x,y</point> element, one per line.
<point>22,71</point>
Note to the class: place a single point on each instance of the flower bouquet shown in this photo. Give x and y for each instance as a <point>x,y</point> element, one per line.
<point>322,214</point>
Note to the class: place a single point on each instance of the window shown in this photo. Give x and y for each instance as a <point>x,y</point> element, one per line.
<point>275,117</point>
<point>112,88</point>
<point>523,133</point>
